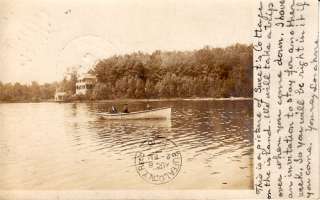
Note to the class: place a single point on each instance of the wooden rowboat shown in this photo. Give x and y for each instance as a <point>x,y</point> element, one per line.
<point>143,123</point>
<point>159,113</point>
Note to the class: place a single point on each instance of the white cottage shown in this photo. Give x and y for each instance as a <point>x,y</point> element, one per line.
<point>60,96</point>
<point>85,83</point>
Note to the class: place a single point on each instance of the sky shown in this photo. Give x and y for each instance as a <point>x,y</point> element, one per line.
<point>41,39</point>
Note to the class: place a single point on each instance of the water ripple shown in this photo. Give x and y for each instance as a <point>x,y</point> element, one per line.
<point>69,146</point>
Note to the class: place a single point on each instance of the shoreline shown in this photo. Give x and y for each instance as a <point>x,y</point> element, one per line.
<point>177,99</point>
<point>137,100</point>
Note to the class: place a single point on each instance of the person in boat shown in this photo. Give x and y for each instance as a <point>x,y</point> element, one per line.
<point>148,107</point>
<point>113,109</point>
<point>125,109</point>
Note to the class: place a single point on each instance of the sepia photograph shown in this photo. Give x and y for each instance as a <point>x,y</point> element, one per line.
<point>126,95</point>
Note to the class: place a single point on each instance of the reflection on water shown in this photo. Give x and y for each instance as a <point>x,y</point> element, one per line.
<point>67,146</point>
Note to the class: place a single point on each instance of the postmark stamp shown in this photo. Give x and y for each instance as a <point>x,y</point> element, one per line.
<point>159,160</point>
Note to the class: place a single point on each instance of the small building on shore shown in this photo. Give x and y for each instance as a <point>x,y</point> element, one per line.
<point>85,84</point>
<point>60,96</point>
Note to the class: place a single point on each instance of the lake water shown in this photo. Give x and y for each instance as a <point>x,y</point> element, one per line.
<point>52,146</point>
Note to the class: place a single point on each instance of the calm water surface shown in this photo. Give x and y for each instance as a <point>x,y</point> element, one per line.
<point>67,146</point>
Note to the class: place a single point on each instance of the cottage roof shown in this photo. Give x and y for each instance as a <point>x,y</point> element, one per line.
<point>87,76</point>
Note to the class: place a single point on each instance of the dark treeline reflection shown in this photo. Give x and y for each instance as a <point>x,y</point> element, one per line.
<point>207,72</point>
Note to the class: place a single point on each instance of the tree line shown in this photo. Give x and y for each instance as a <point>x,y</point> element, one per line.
<point>207,72</point>
<point>22,92</point>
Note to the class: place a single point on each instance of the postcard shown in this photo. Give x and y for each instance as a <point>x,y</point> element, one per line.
<point>170,99</point>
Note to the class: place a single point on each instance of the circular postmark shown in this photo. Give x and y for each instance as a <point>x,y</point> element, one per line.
<point>81,53</point>
<point>159,161</point>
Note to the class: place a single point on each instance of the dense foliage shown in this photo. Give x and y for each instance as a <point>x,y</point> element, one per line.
<point>208,72</point>
<point>31,92</point>
<point>37,92</point>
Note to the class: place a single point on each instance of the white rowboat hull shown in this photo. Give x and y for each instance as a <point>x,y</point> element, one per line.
<point>160,113</point>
